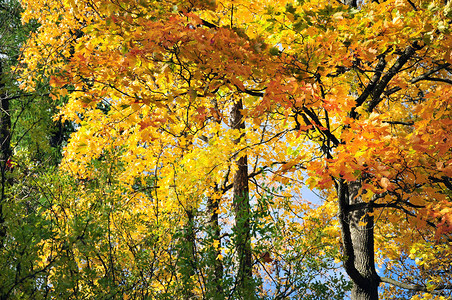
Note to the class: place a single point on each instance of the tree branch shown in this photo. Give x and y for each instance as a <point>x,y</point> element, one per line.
<point>208,24</point>
<point>438,79</point>
<point>380,87</point>
<point>427,74</point>
<point>416,287</point>
<point>399,123</point>
<point>371,86</point>
<point>319,126</point>
<point>424,76</point>
<point>251,175</point>
<point>412,5</point>
<point>444,180</point>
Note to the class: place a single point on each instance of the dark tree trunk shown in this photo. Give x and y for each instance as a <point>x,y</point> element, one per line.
<point>358,241</point>
<point>5,150</point>
<point>357,228</point>
<point>242,212</point>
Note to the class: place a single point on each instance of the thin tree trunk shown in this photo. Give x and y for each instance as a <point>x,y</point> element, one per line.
<point>358,241</point>
<point>242,212</point>
<point>5,150</point>
<point>187,256</point>
<point>215,285</point>
<point>215,289</point>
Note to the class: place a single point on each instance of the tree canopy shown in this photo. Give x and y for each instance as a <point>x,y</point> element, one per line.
<point>201,123</point>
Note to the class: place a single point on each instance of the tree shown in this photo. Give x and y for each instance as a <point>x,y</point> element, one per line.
<point>30,151</point>
<point>172,194</point>
<point>357,99</point>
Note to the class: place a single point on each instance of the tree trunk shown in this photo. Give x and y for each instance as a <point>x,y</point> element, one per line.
<point>5,150</point>
<point>215,276</point>
<point>242,212</point>
<point>352,3</point>
<point>358,241</point>
<point>357,228</point>
<point>187,256</point>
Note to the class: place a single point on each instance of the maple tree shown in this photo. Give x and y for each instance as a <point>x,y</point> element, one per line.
<point>186,106</point>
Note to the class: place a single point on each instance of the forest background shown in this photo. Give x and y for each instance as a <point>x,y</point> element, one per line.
<point>161,149</point>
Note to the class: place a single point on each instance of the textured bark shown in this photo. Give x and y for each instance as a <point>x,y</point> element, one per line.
<point>358,241</point>
<point>357,225</point>
<point>242,212</point>
<point>215,289</point>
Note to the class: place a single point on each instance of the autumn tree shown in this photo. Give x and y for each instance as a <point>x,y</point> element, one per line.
<point>213,97</point>
<point>31,144</point>
<point>372,155</point>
